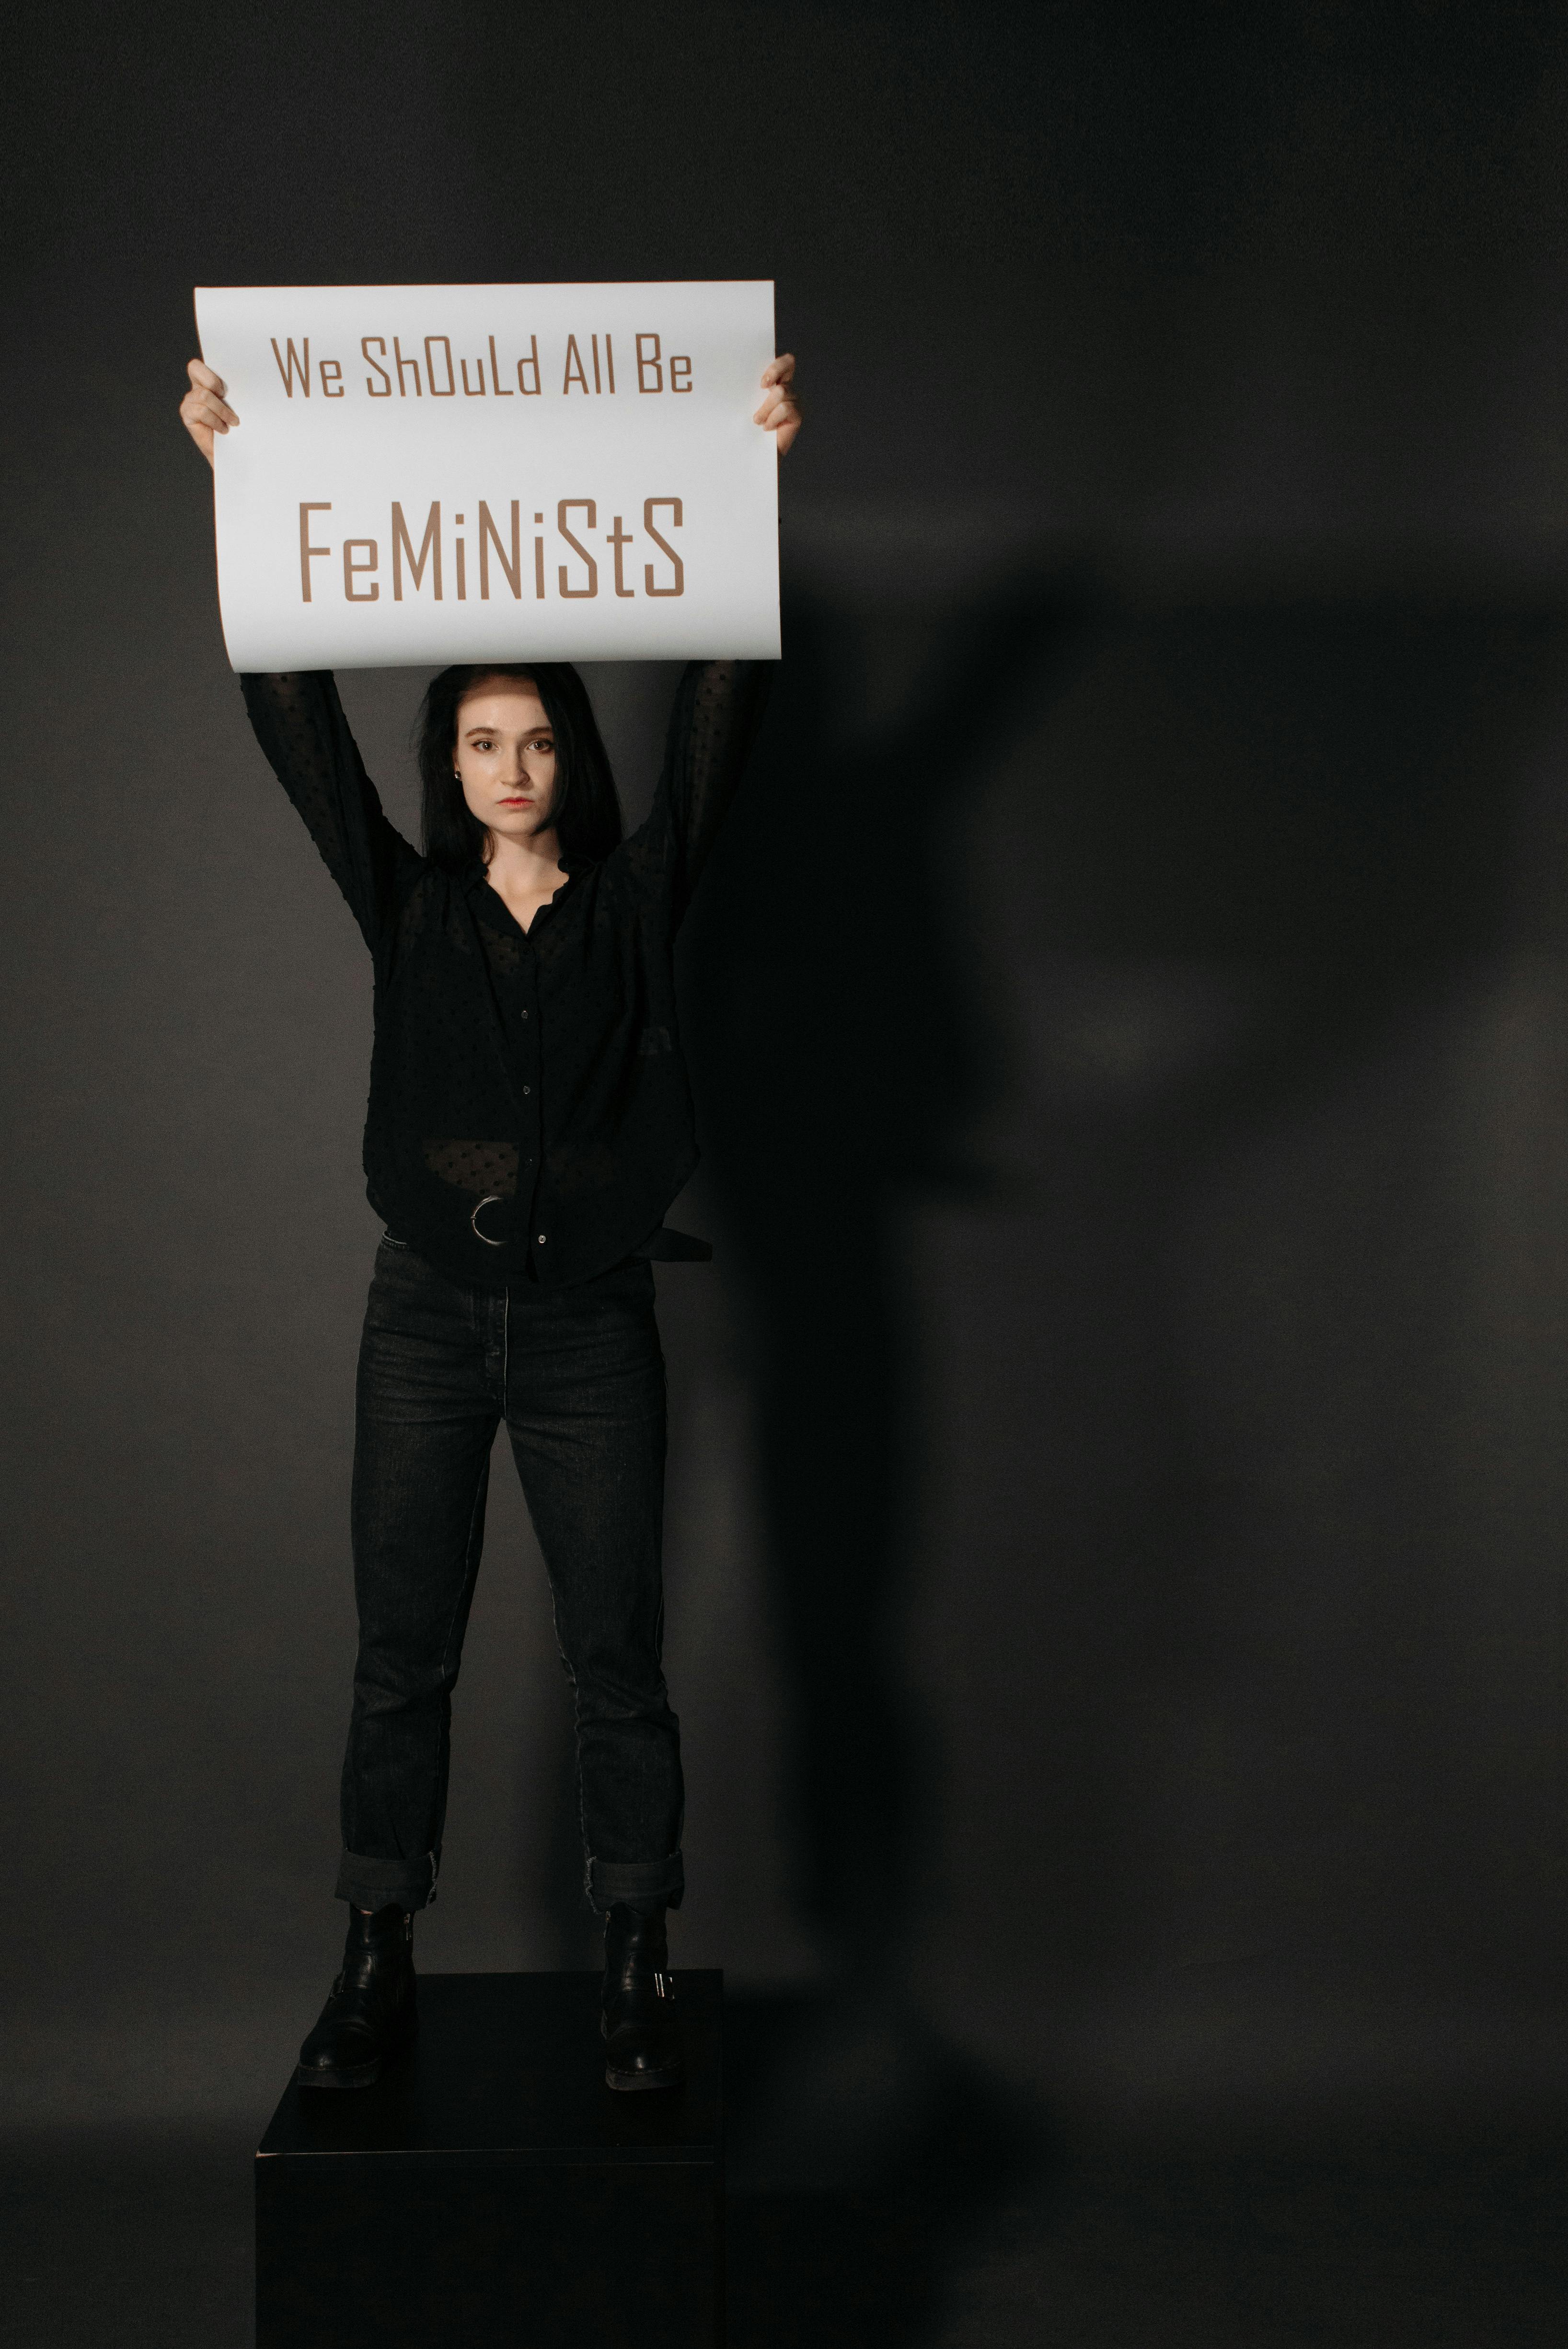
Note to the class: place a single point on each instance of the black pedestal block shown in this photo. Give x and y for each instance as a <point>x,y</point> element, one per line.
<point>491,2189</point>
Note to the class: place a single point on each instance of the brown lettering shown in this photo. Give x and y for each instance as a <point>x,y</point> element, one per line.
<point>610,361</point>
<point>489,536</point>
<point>597,385</point>
<point>495,375</point>
<point>562,510</point>
<point>385,389</point>
<point>676,383</point>
<point>352,570</point>
<point>429,552</point>
<point>287,373</point>
<point>573,365</point>
<point>402,362</point>
<point>474,390</point>
<point>619,538</point>
<point>306,549</point>
<point>663,545</point>
<point>647,360</point>
<point>530,390</point>
<point>328,373</point>
<point>539,564</point>
<point>439,391</point>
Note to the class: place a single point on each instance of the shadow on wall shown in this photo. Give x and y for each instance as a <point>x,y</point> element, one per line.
<point>840,1050</point>
<point>1087,1058</point>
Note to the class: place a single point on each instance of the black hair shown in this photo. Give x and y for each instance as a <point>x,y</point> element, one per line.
<point>587,817</point>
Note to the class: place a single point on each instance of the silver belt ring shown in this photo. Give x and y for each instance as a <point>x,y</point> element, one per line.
<point>490,1199</point>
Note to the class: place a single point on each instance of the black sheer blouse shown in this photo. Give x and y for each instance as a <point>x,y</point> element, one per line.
<point>529,1111</point>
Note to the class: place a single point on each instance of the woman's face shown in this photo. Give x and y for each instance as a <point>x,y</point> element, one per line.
<point>505,757</point>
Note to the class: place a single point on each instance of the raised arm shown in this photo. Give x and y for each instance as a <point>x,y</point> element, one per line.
<point>718,709</point>
<point>299,723</point>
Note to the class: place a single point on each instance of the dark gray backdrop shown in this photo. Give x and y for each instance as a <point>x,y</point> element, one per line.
<point>1120,1437</point>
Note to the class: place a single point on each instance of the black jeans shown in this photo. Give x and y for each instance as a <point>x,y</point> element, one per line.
<point>578,1376</point>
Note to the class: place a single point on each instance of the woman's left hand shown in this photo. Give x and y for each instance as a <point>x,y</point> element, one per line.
<point>780,409</point>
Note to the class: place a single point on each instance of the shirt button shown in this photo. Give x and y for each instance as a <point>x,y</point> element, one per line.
<point>527,1090</point>
<point>540,1239</point>
<point>522,1015</point>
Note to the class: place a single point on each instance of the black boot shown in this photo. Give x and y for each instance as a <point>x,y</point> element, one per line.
<point>371,2013</point>
<point>642,2044</point>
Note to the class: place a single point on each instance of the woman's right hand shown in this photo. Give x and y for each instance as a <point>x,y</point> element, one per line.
<point>204,410</point>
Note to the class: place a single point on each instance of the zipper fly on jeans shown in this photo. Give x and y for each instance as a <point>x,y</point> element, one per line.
<point>495,1319</point>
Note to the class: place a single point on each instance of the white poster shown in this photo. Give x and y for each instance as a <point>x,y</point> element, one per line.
<point>439,473</point>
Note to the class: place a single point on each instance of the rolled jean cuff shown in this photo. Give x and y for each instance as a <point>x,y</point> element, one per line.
<point>388,1883</point>
<point>635,1884</point>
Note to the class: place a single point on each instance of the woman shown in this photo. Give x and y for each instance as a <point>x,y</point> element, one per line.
<point>529,1122</point>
